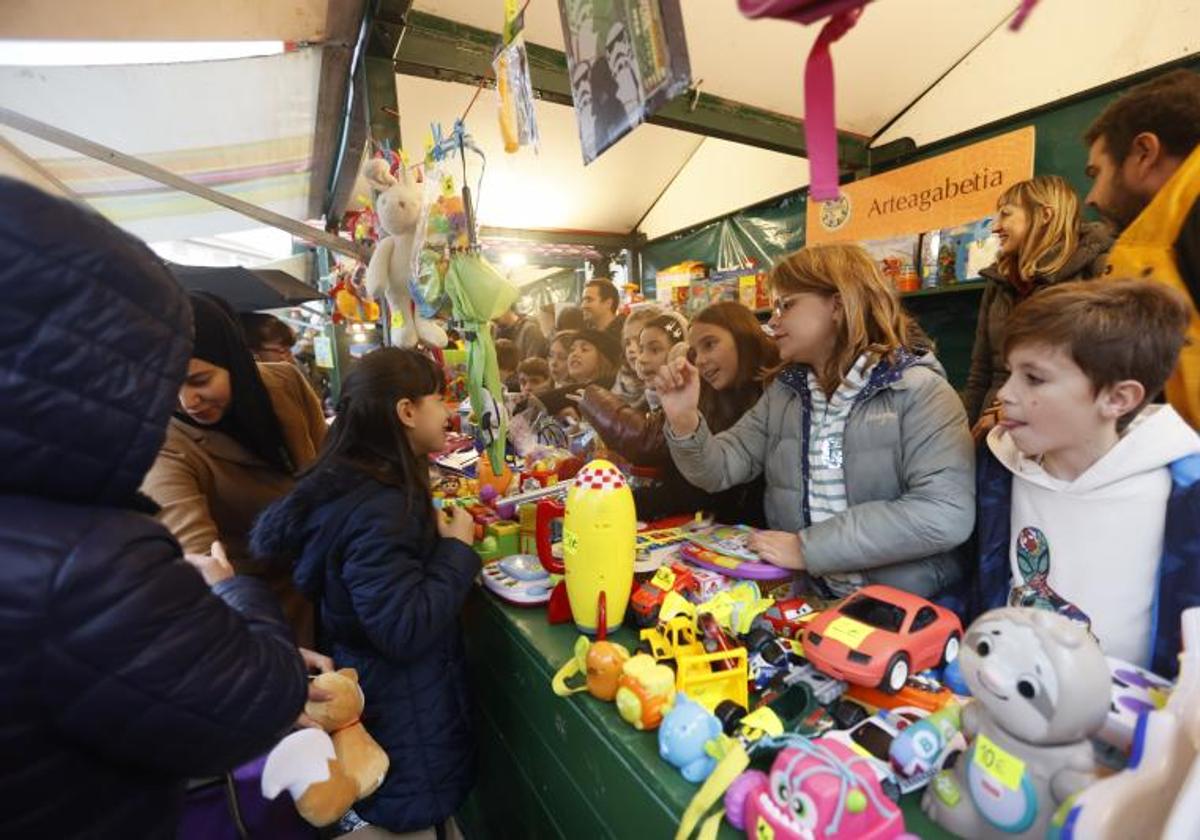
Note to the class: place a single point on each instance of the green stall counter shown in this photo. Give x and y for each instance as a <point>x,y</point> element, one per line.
<point>566,767</point>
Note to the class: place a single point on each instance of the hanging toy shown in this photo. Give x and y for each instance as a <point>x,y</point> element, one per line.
<point>351,304</point>
<point>518,122</point>
<point>397,208</point>
<point>450,270</point>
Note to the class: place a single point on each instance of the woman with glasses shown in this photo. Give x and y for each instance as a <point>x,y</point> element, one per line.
<point>863,443</point>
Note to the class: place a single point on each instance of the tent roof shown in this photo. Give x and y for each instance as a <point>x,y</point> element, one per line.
<point>923,69</point>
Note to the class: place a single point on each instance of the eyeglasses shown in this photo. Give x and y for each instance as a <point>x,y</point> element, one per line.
<point>782,304</point>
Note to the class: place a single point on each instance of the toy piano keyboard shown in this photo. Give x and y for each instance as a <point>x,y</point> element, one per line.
<point>725,549</point>
<point>518,579</point>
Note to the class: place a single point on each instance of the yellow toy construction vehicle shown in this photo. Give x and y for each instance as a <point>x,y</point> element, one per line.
<point>672,638</point>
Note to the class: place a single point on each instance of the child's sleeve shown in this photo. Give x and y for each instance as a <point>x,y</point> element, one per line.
<point>935,511</point>
<point>404,600</point>
<point>979,378</point>
<point>717,462</point>
<point>635,434</point>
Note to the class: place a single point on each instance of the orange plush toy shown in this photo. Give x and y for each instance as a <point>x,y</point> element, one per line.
<point>327,770</point>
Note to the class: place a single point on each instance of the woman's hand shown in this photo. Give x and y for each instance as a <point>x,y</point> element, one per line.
<point>678,387</point>
<point>316,663</point>
<point>454,523</point>
<point>214,567</point>
<point>986,422</point>
<point>779,548</point>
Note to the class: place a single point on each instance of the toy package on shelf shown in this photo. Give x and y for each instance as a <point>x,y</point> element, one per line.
<point>897,260</point>
<point>957,254</point>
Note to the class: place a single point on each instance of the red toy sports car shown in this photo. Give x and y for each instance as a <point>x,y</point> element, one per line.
<point>880,635</point>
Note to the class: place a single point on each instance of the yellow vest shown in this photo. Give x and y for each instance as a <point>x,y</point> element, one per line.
<point>1147,249</point>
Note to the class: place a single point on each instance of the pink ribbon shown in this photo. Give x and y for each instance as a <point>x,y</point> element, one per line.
<point>820,126</point>
<point>1022,13</point>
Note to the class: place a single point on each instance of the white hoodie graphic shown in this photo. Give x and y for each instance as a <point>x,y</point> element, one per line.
<point>1093,545</point>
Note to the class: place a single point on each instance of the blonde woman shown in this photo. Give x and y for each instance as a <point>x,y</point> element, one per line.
<point>863,443</point>
<point>1042,242</point>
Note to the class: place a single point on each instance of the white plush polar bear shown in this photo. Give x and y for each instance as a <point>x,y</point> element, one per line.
<point>398,207</point>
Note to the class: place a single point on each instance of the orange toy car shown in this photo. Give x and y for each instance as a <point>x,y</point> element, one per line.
<point>919,692</point>
<point>879,636</point>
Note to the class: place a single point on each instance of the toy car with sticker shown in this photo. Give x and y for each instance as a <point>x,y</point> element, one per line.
<point>648,599</point>
<point>880,635</point>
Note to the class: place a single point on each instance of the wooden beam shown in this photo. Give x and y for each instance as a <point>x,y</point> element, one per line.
<point>39,170</point>
<point>344,20</point>
<point>129,163</point>
<point>436,48</point>
<point>601,241</point>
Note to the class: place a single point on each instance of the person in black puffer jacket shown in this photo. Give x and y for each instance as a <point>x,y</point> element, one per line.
<point>389,576</point>
<point>121,673</point>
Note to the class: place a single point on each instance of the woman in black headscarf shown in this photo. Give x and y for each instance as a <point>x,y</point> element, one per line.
<point>240,434</point>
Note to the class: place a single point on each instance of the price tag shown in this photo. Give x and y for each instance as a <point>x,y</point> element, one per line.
<point>998,763</point>
<point>570,542</point>
<point>849,632</point>
<point>664,579</point>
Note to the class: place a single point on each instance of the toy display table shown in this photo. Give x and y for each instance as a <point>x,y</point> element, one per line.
<point>566,767</point>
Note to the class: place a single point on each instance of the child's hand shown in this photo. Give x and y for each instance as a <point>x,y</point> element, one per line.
<point>319,664</point>
<point>678,387</point>
<point>454,523</point>
<point>779,548</point>
<point>213,567</point>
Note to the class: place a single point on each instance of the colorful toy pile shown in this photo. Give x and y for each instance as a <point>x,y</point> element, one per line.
<point>845,701</point>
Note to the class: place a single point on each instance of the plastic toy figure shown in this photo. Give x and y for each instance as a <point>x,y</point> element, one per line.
<point>815,789</point>
<point>684,738</point>
<point>881,635</point>
<point>645,691</point>
<point>1040,689</point>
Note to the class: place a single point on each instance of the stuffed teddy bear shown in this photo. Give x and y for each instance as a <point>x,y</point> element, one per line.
<point>398,208</point>
<point>329,769</point>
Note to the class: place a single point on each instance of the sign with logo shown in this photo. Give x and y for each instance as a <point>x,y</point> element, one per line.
<point>941,192</point>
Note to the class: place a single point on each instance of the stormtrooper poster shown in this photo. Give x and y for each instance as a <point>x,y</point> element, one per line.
<point>626,58</point>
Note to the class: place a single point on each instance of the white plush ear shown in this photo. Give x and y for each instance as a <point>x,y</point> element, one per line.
<point>378,174</point>
<point>298,761</point>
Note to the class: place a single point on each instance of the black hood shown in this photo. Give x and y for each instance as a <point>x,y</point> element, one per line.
<point>95,336</point>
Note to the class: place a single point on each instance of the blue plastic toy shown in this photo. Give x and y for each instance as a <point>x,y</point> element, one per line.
<point>952,678</point>
<point>684,737</point>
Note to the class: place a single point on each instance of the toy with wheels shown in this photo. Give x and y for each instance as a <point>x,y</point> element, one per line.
<point>880,635</point>
<point>814,789</point>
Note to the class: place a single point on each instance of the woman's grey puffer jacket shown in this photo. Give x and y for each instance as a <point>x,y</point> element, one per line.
<point>909,470</point>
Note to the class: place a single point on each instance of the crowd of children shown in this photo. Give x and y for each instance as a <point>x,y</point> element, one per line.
<point>833,429</point>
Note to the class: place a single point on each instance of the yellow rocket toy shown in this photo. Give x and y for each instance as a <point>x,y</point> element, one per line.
<point>598,547</point>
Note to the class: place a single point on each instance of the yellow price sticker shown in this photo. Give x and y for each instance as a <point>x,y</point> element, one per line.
<point>664,579</point>
<point>849,632</point>
<point>570,542</point>
<point>998,763</point>
<point>796,646</point>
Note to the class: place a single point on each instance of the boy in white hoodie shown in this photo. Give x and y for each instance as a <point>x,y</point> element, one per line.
<point>1089,499</point>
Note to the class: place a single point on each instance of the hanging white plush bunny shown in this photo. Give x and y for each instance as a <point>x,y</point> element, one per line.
<point>398,207</point>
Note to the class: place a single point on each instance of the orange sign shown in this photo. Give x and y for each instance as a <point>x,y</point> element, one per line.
<point>944,191</point>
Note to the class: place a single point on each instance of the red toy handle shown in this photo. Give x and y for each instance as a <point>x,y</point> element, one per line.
<point>601,617</point>
<point>547,511</point>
